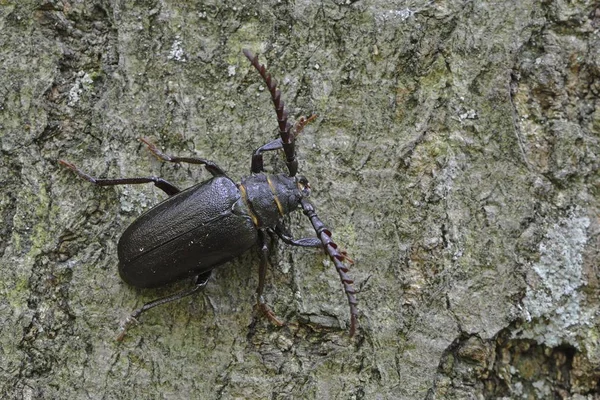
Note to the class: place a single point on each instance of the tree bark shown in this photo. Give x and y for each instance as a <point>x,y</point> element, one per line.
<point>455,158</point>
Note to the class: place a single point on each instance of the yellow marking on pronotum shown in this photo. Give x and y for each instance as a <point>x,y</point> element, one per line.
<point>247,203</point>
<point>279,207</point>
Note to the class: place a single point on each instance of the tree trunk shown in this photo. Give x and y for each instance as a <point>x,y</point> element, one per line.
<point>455,158</point>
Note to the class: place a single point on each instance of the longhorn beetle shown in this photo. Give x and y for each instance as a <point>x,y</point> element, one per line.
<point>197,229</point>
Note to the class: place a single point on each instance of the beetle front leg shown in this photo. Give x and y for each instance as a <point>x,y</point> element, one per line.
<point>262,272</point>
<point>306,242</point>
<point>257,158</point>
<point>303,242</point>
<point>160,183</point>
<point>200,283</point>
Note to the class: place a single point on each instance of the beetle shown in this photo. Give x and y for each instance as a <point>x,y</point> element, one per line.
<point>197,229</point>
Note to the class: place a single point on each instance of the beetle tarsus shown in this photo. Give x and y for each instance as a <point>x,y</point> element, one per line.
<point>129,321</point>
<point>264,308</point>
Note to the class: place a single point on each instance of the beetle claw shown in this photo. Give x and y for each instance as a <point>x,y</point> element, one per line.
<point>301,123</point>
<point>155,151</point>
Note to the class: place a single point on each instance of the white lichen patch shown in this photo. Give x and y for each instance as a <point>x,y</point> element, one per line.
<point>401,14</point>
<point>553,303</point>
<point>177,52</point>
<point>83,82</point>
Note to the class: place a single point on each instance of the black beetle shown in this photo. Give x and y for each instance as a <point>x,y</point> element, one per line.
<point>199,228</point>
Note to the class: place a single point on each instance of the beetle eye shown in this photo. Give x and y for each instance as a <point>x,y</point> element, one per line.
<point>303,185</point>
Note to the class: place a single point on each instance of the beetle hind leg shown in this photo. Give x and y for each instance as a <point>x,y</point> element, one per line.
<point>200,283</point>
<point>160,183</point>
<point>261,304</point>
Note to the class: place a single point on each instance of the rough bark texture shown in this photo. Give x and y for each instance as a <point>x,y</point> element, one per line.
<point>455,157</point>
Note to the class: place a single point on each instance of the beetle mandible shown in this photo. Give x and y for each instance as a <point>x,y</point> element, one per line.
<point>199,228</point>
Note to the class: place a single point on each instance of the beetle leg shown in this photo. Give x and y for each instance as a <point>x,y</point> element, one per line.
<point>201,281</point>
<point>257,157</point>
<point>338,257</point>
<point>165,186</point>
<point>210,166</point>
<point>304,242</point>
<point>277,144</point>
<point>262,272</point>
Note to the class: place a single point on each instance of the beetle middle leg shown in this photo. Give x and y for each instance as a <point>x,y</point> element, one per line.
<point>200,282</point>
<point>165,186</point>
<point>210,166</point>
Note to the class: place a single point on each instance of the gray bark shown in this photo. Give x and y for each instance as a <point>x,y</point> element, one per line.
<point>455,157</point>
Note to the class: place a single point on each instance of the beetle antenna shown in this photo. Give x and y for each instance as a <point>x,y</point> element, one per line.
<point>337,256</point>
<point>285,128</point>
